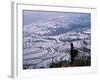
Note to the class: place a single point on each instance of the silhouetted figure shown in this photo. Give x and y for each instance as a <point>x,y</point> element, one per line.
<point>73,53</point>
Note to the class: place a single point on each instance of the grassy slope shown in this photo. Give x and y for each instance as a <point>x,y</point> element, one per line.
<point>80,62</point>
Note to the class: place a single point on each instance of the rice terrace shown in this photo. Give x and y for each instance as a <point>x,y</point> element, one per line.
<point>56,39</point>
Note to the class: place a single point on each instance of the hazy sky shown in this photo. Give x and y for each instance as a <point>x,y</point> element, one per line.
<point>36,16</point>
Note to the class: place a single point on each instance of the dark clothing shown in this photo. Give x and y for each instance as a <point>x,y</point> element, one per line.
<point>73,53</point>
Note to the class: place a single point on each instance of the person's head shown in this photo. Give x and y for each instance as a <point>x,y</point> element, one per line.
<point>71,44</point>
